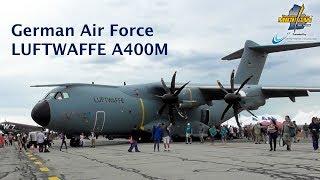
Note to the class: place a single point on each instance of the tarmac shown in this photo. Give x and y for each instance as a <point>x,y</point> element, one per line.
<point>111,160</point>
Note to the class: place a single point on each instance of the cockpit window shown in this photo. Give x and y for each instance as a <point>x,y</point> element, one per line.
<point>49,96</point>
<point>65,95</point>
<point>58,96</point>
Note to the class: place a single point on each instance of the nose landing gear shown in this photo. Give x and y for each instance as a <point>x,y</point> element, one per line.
<point>75,141</point>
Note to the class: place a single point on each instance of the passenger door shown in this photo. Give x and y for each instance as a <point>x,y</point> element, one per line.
<point>205,116</point>
<point>99,121</point>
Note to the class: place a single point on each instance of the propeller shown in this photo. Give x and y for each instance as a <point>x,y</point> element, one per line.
<point>170,99</point>
<point>233,99</point>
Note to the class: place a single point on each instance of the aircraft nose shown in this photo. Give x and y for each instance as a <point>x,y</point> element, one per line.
<point>41,113</point>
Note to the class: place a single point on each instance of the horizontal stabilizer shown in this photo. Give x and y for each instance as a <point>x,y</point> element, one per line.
<point>271,48</point>
<point>283,47</point>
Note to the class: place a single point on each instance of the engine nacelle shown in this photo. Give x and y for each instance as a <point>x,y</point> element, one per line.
<point>252,97</point>
<point>188,104</point>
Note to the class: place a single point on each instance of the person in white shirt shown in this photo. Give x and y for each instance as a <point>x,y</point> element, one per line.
<point>81,139</point>
<point>33,139</point>
<point>93,140</point>
<point>40,140</point>
<point>231,132</point>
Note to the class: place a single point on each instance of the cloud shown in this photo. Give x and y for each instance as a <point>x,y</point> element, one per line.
<point>191,58</point>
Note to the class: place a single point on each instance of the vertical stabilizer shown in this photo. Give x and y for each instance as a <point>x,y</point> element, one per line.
<point>251,64</point>
<point>253,57</point>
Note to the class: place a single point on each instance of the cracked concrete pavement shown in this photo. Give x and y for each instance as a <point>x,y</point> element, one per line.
<point>195,161</point>
<point>15,165</point>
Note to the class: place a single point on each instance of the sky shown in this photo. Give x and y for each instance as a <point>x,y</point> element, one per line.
<point>198,34</point>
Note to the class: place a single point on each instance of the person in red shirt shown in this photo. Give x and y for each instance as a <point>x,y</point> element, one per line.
<point>1,140</point>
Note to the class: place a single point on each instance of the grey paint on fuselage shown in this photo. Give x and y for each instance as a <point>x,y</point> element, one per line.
<point>124,107</point>
<point>77,113</point>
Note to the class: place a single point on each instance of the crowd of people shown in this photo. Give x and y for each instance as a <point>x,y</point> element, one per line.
<point>287,133</point>
<point>37,140</point>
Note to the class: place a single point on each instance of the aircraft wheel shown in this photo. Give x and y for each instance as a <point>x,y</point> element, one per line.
<point>74,142</point>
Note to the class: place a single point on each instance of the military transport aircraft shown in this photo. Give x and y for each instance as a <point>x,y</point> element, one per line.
<point>18,127</point>
<point>74,108</point>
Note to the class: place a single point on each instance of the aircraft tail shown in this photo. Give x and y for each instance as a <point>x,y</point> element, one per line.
<point>253,57</point>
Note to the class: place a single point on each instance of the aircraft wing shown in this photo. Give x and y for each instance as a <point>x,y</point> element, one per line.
<point>274,92</point>
<point>215,93</point>
<point>70,84</point>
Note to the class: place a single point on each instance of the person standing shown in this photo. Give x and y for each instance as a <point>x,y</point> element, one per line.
<point>166,136</point>
<point>213,132</point>
<point>288,132</point>
<point>40,140</point>
<point>24,141</point>
<point>10,137</point>
<point>134,140</point>
<point>188,132</point>
<point>81,139</point>
<point>306,130</point>
<point>314,130</point>
<point>2,141</point>
<point>224,133</point>
<point>50,139</point>
<point>272,131</point>
<point>201,133</point>
<point>257,133</point>
<point>6,140</point>
<point>170,130</point>
<point>33,139</point>
<point>93,140</point>
<point>296,131</point>
<point>19,140</point>
<point>63,141</point>
<point>157,136</point>
<point>231,131</point>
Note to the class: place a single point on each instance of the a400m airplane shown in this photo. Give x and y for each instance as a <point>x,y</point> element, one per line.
<point>75,108</point>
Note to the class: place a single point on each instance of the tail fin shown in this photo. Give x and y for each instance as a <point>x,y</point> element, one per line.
<point>253,57</point>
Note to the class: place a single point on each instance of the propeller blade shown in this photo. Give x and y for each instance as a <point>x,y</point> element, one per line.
<point>225,110</point>
<point>165,87</point>
<point>235,113</point>
<point>171,116</point>
<point>222,88</point>
<point>244,83</point>
<point>249,111</point>
<point>162,108</point>
<point>232,81</point>
<point>173,82</point>
<point>158,96</point>
<point>180,89</point>
<point>180,113</point>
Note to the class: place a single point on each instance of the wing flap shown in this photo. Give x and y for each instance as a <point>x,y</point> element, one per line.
<point>274,92</point>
